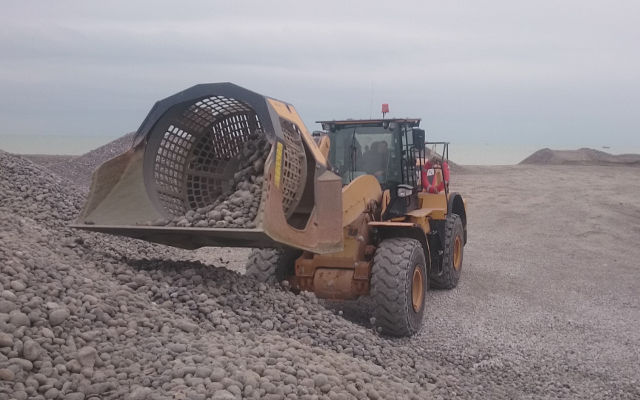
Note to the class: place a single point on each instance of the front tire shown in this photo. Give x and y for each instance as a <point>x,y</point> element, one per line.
<point>271,265</point>
<point>398,286</point>
<point>452,255</point>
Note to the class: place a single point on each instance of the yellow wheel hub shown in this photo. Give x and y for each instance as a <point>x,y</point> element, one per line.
<point>457,253</point>
<point>417,289</point>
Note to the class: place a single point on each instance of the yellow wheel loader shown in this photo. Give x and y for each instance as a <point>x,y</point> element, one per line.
<point>343,214</point>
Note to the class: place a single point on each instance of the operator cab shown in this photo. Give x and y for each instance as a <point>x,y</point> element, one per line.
<point>378,147</point>
<point>392,150</point>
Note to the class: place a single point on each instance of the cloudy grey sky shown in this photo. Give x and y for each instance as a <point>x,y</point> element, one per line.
<point>541,73</point>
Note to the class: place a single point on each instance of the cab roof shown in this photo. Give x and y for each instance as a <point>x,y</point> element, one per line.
<point>412,122</point>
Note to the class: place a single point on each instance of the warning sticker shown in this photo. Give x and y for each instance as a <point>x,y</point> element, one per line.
<point>279,147</point>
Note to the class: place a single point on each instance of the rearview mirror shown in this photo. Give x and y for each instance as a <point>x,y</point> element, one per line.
<point>418,138</point>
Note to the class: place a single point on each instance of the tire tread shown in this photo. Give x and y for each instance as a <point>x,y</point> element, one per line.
<point>270,265</point>
<point>449,278</point>
<point>389,285</point>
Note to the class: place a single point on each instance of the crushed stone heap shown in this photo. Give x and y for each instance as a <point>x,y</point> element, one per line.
<point>88,316</point>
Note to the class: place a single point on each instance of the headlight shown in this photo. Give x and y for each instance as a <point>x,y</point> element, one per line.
<point>404,191</point>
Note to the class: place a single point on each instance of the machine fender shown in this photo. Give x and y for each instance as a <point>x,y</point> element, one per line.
<point>387,230</point>
<point>456,205</point>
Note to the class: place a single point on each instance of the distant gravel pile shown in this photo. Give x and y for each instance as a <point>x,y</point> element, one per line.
<point>79,170</point>
<point>86,316</point>
<point>583,156</point>
<point>236,208</point>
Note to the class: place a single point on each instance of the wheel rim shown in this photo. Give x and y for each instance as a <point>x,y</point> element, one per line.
<point>457,253</point>
<point>417,289</point>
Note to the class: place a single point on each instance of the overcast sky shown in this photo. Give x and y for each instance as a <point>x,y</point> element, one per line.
<point>548,73</point>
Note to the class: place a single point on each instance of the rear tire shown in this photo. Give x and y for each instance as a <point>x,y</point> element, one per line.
<point>271,265</point>
<point>398,286</point>
<point>452,255</point>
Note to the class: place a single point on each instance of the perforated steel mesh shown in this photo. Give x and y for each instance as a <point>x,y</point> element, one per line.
<point>213,160</point>
<point>195,158</point>
<point>169,168</point>
<point>194,162</point>
<point>294,169</point>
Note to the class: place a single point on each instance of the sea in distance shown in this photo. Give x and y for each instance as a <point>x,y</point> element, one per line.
<point>461,153</point>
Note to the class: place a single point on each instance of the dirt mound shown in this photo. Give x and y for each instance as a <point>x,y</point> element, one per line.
<point>91,316</point>
<point>582,156</point>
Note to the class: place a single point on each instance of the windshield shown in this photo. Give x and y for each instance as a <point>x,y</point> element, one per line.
<point>362,150</point>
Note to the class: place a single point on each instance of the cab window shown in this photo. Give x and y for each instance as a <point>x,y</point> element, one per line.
<point>366,150</point>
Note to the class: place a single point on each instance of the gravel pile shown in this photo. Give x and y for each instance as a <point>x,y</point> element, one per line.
<point>86,316</point>
<point>583,156</point>
<point>80,169</point>
<point>236,208</point>
<point>48,160</point>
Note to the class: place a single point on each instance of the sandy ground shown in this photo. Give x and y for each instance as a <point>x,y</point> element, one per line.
<point>551,279</point>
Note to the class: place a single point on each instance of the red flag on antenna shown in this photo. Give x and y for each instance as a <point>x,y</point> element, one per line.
<point>385,108</point>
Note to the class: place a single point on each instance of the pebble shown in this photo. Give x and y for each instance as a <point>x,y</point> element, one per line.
<point>267,324</point>
<point>19,319</point>
<point>6,374</point>
<point>6,340</point>
<point>18,286</point>
<point>217,374</point>
<point>223,395</point>
<point>203,372</point>
<point>58,316</point>
<point>24,364</point>
<point>9,295</point>
<point>177,347</point>
<point>308,382</point>
<point>52,393</point>
<point>186,326</point>
<point>86,356</point>
<point>320,380</point>
<point>47,333</point>
<point>31,350</point>
<point>7,306</point>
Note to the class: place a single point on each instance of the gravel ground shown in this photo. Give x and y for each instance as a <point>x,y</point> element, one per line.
<point>548,305</point>
<point>85,315</point>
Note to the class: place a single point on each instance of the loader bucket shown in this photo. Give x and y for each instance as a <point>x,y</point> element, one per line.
<point>219,165</point>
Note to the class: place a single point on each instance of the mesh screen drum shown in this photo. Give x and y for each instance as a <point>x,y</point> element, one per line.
<point>194,150</point>
<point>189,163</point>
